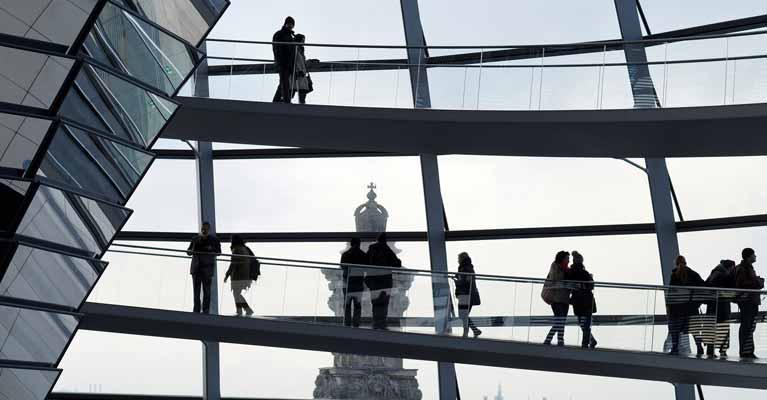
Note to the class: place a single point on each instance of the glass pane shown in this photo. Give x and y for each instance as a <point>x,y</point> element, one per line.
<point>52,21</point>
<point>20,138</point>
<point>36,336</point>
<point>93,163</point>
<point>41,275</point>
<point>30,78</point>
<point>188,19</point>
<point>170,187</point>
<point>107,103</point>
<point>12,194</point>
<point>131,45</point>
<point>71,220</point>
<point>316,194</point>
<point>26,384</point>
<point>664,15</point>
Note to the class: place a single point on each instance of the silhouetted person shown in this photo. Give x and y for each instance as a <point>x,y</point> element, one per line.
<point>718,309</point>
<point>203,265</point>
<point>284,59</point>
<point>557,296</point>
<point>241,274</point>
<point>302,82</point>
<point>354,282</point>
<point>746,278</point>
<point>467,293</point>
<point>380,281</point>
<point>681,305</point>
<point>582,298</point>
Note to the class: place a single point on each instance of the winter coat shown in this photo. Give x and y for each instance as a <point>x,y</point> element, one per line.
<point>582,296</point>
<point>466,285</point>
<point>239,269</point>
<point>203,264</point>
<point>682,302</point>
<point>381,254</point>
<point>300,74</point>
<point>553,290</point>
<point>284,54</point>
<point>721,277</point>
<point>353,256</point>
<point>746,278</point>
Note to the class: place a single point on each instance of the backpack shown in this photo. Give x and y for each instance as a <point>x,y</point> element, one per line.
<point>254,264</point>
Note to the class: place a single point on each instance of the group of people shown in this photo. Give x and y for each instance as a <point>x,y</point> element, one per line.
<point>567,285</point>
<point>290,62</point>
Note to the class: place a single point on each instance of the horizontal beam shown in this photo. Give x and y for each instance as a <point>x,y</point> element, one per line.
<point>103,396</point>
<point>258,154</point>
<point>463,235</point>
<point>734,130</point>
<point>496,353</point>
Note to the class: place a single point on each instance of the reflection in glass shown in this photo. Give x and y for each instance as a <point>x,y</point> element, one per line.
<point>45,276</point>
<point>72,220</point>
<point>35,336</point>
<point>26,384</point>
<point>188,19</point>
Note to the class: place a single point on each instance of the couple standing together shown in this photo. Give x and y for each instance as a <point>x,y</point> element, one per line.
<point>290,62</point>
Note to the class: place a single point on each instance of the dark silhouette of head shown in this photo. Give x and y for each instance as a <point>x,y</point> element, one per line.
<point>463,258</point>
<point>562,257</point>
<point>577,257</point>
<point>728,264</point>
<point>381,238</point>
<point>355,243</point>
<point>300,38</point>
<point>237,240</point>
<point>205,228</point>
<point>290,23</point>
<point>749,255</point>
<point>680,261</point>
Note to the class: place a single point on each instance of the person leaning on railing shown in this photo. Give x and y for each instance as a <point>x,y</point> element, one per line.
<point>746,278</point>
<point>557,296</point>
<point>682,307</point>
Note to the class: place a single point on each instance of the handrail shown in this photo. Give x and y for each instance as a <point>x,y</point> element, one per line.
<point>423,272</point>
<point>524,46</point>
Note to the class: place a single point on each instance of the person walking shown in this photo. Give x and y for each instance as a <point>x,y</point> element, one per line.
<point>718,312</point>
<point>302,81</point>
<point>241,274</point>
<point>582,298</point>
<point>203,249</point>
<point>557,296</point>
<point>748,303</point>
<point>681,306</point>
<point>380,281</point>
<point>284,59</point>
<point>467,293</point>
<point>354,282</point>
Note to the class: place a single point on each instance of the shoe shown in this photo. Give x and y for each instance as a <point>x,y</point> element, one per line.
<point>477,333</point>
<point>750,356</point>
<point>722,354</point>
<point>673,352</point>
<point>699,352</point>
<point>249,313</point>
<point>560,344</point>
<point>593,343</point>
<point>547,342</point>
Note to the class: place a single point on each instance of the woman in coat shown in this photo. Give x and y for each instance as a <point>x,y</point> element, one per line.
<point>718,309</point>
<point>681,306</point>
<point>467,293</point>
<point>582,298</point>
<point>301,79</point>
<point>557,296</point>
<point>239,271</point>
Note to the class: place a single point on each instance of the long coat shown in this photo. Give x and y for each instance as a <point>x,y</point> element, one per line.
<point>239,269</point>
<point>553,290</point>
<point>582,297</point>
<point>466,286</point>
<point>679,301</point>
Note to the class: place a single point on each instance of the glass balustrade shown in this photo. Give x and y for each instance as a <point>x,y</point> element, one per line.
<point>640,318</point>
<point>684,72</point>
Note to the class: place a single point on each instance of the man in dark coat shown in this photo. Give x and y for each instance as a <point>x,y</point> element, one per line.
<point>203,249</point>
<point>284,59</point>
<point>380,281</point>
<point>746,278</point>
<point>354,281</point>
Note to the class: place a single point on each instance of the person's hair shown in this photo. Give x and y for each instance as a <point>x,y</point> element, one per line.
<point>561,255</point>
<point>577,257</point>
<point>747,252</point>
<point>237,240</point>
<point>289,20</point>
<point>205,223</point>
<point>680,272</point>
<point>355,242</point>
<point>300,38</point>
<point>463,257</point>
<point>382,237</point>
<point>727,263</point>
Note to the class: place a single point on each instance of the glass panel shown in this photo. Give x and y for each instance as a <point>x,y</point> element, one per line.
<point>54,21</point>
<point>94,164</point>
<point>20,138</point>
<point>133,46</point>
<point>36,336</point>
<point>71,220</point>
<point>170,186</point>
<point>188,19</point>
<point>26,384</point>
<point>316,194</point>
<point>41,275</point>
<point>107,103</point>
<point>30,78</point>
<point>12,194</point>
<point>664,16</point>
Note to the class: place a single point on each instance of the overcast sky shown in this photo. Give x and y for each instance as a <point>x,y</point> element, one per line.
<point>479,192</point>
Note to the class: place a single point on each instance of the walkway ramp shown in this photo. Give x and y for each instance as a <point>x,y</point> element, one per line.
<point>421,346</point>
<point>736,130</point>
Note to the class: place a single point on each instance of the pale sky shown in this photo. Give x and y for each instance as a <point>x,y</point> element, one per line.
<point>479,192</point>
